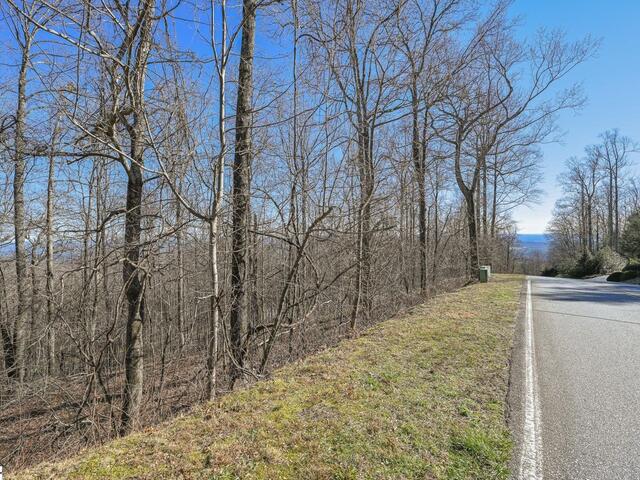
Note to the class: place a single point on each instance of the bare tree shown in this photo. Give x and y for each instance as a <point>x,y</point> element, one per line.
<point>614,150</point>
<point>488,104</point>
<point>242,190</point>
<point>24,34</point>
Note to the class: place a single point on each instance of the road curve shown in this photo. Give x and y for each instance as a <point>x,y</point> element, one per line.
<point>585,352</point>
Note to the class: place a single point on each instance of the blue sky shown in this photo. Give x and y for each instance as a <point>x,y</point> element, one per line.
<point>611,81</point>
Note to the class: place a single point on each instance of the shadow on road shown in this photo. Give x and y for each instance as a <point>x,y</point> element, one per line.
<point>563,290</point>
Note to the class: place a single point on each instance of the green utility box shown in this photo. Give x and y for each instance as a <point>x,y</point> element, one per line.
<point>484,274</point>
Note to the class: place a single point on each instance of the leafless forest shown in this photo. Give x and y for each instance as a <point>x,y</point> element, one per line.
<point>193,193</point>
<point>593,230</point>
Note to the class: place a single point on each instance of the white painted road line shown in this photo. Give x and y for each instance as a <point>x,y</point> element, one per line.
<point>531,456</point>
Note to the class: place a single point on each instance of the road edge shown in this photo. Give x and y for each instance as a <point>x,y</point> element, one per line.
<point>517,390</point>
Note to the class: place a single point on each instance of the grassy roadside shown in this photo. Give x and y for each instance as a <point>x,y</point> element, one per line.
<point>422,396</point>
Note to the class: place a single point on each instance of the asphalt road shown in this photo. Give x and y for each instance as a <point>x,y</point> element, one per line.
<point>586,362</point>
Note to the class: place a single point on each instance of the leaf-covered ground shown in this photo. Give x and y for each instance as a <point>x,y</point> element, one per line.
<point>419,396</point>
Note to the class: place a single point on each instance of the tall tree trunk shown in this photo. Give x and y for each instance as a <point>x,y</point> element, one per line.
<point>486,244</point>
<point>494,200</point>
<point>214,315</point>
<point>583,223</point>
<point>34,310</point>
<point>134,358</point>
<point>590,223</point>
<point>180,258</point>
<point>7,336</point>
<point>616,208</point>
<point>419,166</point>
<point>214,303</point>
<point>52,365</point>
<point>367,237</point>
<point>436,233</point>
<point>293,222</point>
<point>468,194</point>
<point>472,230</point>
<point>362,300</point>
<point>87,313</point>
<point>18,369</point>
<point>133,281</point>
<point>610,235</point>
<point>485,207</point>
<point>241,191</point>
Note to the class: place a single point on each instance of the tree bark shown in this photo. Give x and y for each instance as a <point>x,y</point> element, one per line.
<point>18,369</point>
<point>52,366</point>
<point>362,301</point>
<point>180,258</point>
<point>468,194</point>
<point>472,230</point>
<point>616,203</point>
<point>214,302</point>
<point>6,334</point>
<point>134,359</point>
<point>419,166</point>
<point>241,192</point>
<point>133,281</point>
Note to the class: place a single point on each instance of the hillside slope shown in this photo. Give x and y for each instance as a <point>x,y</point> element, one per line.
<point>422,396</point>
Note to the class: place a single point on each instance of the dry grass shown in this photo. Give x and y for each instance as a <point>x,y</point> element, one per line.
<point>422,396</point>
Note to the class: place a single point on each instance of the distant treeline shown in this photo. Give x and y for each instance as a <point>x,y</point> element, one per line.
<point>596,224</point>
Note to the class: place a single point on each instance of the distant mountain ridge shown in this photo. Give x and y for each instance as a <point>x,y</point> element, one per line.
<point>534,242</point>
